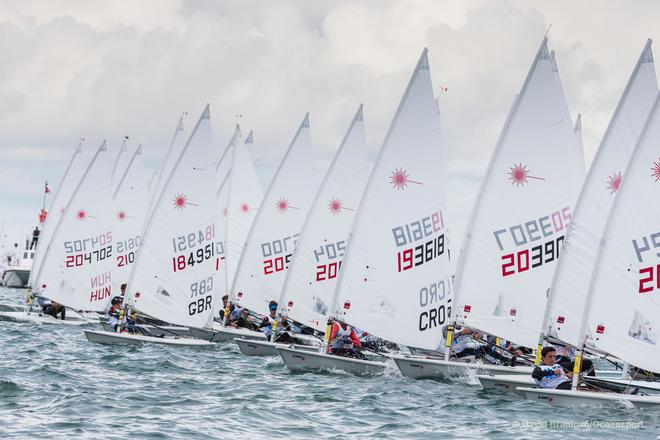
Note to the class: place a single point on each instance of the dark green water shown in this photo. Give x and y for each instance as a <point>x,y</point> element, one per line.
<point>55,384</point>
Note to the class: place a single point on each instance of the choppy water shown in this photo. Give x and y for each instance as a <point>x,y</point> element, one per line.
<point>54,384</point>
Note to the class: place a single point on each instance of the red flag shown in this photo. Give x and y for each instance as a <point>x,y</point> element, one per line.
<point>42,216</point>
<point>46,189</point>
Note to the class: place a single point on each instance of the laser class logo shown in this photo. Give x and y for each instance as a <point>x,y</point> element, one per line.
<point>519,175</point>
<point>181,201</point>
<point>336,206</point>
<point>655,170</point>
<point>282,206</point>
<point>400,179</point>
<point>614,182</point>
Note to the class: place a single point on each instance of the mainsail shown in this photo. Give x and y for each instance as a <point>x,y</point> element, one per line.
<point>174,276</point>
<point>77,262</point>
<point>72,175</point>
<point>395,281</point>
<point>244,199</point>
<point>129,202</point>
<point>622,313</point>
<point>571,280</point>
<point>523,210</point>
<point>173,151</point>
<point>310,284</point>
<point>269,246</point>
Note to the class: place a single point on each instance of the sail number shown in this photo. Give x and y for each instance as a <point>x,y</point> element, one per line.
<point>88,257</point>
<point>193,239</point>
<point>420,254</point>
<point>651,275</point>
<point>331,251</point>
<point>182,262</point>
<point>277,264</point>
<point>526,259</point>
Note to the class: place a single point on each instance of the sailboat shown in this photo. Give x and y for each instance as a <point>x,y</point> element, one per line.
<point>270,242</point>
<point>395,280</point>
<point>515,234</point>
<point>174,276</point>
<point>566,302</point>
<point>77,262</point>
<point>130,202</point>
<point>72,175</point>
<point>215,331</point>
<point>310,282</point>
<point>621,316</point>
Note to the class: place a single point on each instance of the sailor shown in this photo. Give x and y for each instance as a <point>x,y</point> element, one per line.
<point>566,358</point>
<point>35,237</point>
<point>467,342</point>
<point>344,341</point>
<point>114,313</point>
<point>266,326</point>
<point>120,298</point>
<point>244,321</point>
<point>53,309</point>
<point>550,374</point>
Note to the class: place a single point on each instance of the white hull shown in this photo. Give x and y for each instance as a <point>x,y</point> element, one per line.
<point>40,318</point>
<point>226,334</point>
<point>16,277</point>
<point>167,330</point>
<point>422,368</point>
<point>587,398</point>
<point>508,383</point>
<point>12,307</point>
<point>299,360</point>
<point>113,338</point>
<point>266,348</point>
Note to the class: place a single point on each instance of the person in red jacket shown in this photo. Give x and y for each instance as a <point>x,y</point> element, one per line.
<point>344,341</point>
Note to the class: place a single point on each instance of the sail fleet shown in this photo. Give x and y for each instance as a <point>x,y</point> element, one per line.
<point>550,254</point>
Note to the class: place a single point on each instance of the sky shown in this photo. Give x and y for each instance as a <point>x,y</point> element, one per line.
<point>109,69</point>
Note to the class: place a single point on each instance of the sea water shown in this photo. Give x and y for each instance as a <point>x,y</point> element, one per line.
<point>55,384</point>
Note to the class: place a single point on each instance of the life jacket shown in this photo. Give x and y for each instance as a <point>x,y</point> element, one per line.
<point>553,380</point>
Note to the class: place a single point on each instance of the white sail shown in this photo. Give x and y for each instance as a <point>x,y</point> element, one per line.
<point>173,151</point>
<point>173,278</point>
<point>244,199</point>
<point>130,202</point>
<point>275,230</point>
<point>121,162</point>
<point>72,175</point>
<point>571,280</point>
<point>310,284</point>
<point>622,314</point>
<point>577,128</point>
<point>77,262</point>
<point>395,281</point>
<point>524,207</point>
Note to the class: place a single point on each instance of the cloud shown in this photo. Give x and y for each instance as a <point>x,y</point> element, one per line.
<point>107,69</point>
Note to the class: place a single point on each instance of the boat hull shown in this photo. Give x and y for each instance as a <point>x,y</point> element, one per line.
<point>422,368</point>
<point>509,383</point>
<point>16,278</point>
<point>113,338</point>
<point>40,318</point>
<point>587,398</point>
<point>169,330</point>
<point>251,347</point>
<point>225,334</point>
<point>300,360</point>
